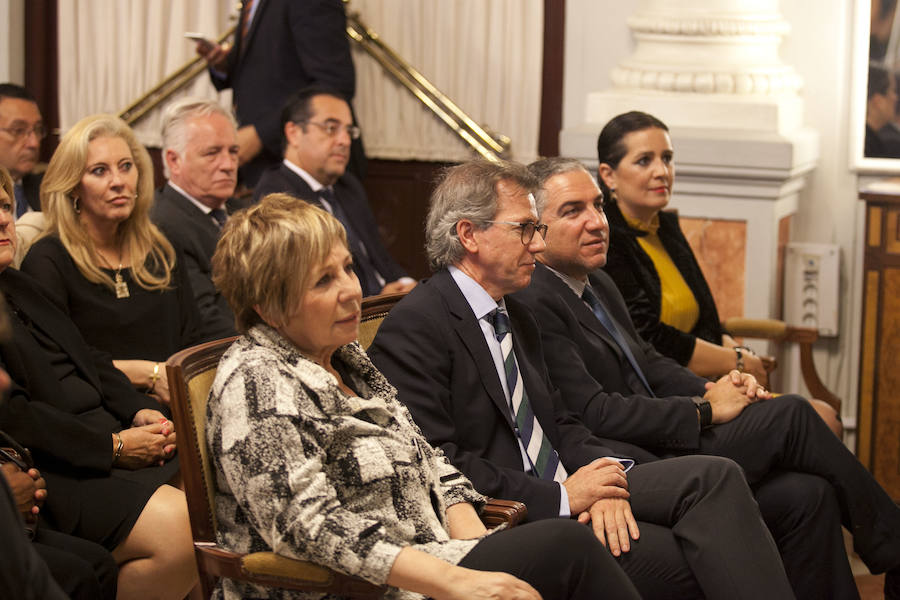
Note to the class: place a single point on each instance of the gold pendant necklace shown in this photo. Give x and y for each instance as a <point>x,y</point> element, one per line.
<point>120,285</point>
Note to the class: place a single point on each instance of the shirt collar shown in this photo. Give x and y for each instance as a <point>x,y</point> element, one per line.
<point>206,210</point>
<point>311,181</point>
<point>479,300</point>
<point>576,285</point>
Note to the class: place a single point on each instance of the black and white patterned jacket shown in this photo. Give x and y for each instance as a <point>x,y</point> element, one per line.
<point>304,470</point>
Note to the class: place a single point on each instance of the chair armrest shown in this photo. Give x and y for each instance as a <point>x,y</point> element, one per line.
<point>274,570</point>
<point>769,329</point>
<point>496,512</point>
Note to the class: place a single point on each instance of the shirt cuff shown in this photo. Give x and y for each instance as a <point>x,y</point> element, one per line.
<point>564,502</point>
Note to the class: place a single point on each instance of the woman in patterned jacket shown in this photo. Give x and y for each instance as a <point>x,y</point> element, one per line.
<point>316,459</point>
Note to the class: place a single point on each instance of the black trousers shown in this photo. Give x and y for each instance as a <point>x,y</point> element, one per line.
<point>786,434</point>
<point>560,558</point>
<point>83,569</point>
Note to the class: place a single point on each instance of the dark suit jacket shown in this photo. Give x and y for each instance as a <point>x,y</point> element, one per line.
<point>350,193</point>
<point>595,378</point>
<point>31,185</point>
<point>65,431</point>
<point>432,349</point>
<point>290,44</point>
<point>195,234</point>
<point>633,271</point>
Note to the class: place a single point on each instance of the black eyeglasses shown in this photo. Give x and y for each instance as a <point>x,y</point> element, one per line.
<point>331,129</point>
<point>528,228</point>
<point>21,132</point>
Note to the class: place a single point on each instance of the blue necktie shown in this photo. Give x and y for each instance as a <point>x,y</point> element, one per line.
<point>544,459</point>
<point>21,200</point>
<point>589,296</point>
<point>365,269</point>
<point>219,215</point>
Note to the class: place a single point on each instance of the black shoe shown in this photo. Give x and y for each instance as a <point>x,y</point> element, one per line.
<point>892,584</point>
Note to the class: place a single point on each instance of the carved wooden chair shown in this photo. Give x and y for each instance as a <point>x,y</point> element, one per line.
<point>779,331</point>
<point>191,373</point>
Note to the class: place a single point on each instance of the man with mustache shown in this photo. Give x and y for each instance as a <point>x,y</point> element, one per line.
<point>804,479</point>
<point>318,129</point>
<point>21,132</point>
<point>200,152</point>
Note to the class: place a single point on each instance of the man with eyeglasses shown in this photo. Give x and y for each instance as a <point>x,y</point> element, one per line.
<point>21,132</point>
<point>466,359</point>
<point>318,129</point>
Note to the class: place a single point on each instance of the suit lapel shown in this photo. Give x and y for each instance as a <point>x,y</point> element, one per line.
<point>191,212</point>
<point>469,331</point>
<point>254,25</point>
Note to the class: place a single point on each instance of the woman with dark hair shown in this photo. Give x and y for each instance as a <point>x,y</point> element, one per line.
<point>116,274</point>
<point>651,261</point>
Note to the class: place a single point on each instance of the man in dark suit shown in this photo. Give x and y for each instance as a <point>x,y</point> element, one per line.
<point>200,153</point>
<point>486,400</point>
<point>803,477</point>
<point>279,47</point>
<point>318,129</point>
<point>21,132</point>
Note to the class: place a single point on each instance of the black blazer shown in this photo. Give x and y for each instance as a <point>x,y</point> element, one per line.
<point>65,431</point>
<point>194,233</point>
<point>350,193</point>
<point>432,349</point>
<point>594,376</point>
<point>290,44</point>
<point>31,185</point>
<point>638,281</point>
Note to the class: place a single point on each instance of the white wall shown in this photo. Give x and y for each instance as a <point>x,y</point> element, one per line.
<point>12,41</point>
<point>819,48</point>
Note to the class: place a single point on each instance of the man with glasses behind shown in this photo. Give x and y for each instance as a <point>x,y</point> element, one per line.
<point>21,132</point>
<point>318,129</point>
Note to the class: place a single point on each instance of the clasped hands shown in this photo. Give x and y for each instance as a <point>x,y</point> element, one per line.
<point>598,494</point>
<point>28,488</point>
<point>731,393</point>
<point>150,440</point>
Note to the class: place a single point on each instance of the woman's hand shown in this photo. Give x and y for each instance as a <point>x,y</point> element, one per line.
<point>146,445</point>
<point>754,365</point>
<point>469,584</point>
<point>148,376</point>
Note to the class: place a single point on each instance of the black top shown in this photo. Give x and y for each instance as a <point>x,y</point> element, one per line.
<point>638,281</point>
<point>148,325</point>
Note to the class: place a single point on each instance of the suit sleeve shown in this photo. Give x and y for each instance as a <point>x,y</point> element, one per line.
<point>641,420</point>
<point>414,353</point>
<point>44,263</point>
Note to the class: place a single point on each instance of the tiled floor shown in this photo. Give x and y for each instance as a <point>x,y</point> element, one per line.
<point>871,587</point>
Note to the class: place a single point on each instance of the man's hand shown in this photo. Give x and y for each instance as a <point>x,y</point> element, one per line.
<point>213,53</point>
<point>754,366</point>
<point>603,478</point>
<point>249,144</point>
<point>731,394</point>
<point>29,489</point>
<point>613,524</point>
<point>395,287</point>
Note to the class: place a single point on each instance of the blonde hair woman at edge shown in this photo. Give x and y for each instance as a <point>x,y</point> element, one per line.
<point>101,257</point>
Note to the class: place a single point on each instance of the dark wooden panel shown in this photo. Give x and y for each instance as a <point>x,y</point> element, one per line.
<point>552,77</point>
<point>886,418</point>
<point>42,67</point>
<point>398,192</point>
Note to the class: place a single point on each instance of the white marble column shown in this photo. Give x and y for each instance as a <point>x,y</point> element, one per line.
<point>710,70</point>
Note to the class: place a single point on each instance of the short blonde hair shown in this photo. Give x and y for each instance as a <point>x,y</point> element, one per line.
<point>7,184</point>
<point>263,259</point>
<point>137,233</point>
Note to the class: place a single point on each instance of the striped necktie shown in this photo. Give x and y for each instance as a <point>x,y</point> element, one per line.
<point>219,216</point>
<point>544,459</point>
<point>590,296</point>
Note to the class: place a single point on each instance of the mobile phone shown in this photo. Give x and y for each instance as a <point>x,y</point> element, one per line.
<point>205,43</point>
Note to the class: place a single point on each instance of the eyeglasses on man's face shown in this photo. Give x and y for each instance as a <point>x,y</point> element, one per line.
<point>331,128</point>
<point>527,227</point>
<point>20,132</point>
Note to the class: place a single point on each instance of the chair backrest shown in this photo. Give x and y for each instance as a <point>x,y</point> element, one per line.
<point>374,310</point>
<point>191,373</point>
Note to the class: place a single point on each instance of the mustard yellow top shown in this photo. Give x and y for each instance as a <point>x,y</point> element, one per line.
<point>679,307</point>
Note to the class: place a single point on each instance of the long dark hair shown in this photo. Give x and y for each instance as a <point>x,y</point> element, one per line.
<point>610,147</point>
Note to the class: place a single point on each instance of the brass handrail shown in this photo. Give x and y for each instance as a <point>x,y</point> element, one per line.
<point>490,145</point>
<point>168,86</point>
